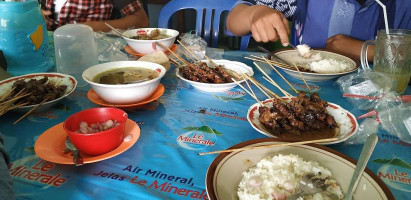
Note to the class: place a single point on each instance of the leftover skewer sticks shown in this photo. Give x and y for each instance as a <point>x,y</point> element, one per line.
<point>270,146</point>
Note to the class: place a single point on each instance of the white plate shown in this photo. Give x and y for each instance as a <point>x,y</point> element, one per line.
<point>219,87</point>
<point>225,172</point>
<point>291,56</point>
<point>57,78</point>
<point>347,121</point>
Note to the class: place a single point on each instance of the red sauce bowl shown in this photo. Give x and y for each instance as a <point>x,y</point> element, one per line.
<point>100,142</point>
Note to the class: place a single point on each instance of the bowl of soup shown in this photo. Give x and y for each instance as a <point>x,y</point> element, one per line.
<point>143,40</point>
<point>124,82</point>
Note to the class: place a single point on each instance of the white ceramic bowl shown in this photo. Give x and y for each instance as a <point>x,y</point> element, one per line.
<point>225,172</point>
<point>347,121</point>
<point>291,56</point>
<point>56,78</point>
<point>220,87</point>
<point>124,93</point>
<point>149,46</point>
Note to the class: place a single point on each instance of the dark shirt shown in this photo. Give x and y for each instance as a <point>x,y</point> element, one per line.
<point>6,183</point>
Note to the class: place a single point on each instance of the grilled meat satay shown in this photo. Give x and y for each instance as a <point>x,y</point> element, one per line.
<point>294,122</point>
<point>227,78</point>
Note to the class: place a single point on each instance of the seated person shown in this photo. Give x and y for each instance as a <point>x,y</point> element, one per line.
<point>338,25</point>
<point>121,14</point>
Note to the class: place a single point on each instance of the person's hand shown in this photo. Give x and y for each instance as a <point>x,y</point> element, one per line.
<point>347,46</point>
<point>49,21</point>
<point>268,24</point>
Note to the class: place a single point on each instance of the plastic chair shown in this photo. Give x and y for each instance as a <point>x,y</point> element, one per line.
<point>208,13</point>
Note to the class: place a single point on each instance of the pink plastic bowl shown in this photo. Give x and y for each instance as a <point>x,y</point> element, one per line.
<point>100,142</point>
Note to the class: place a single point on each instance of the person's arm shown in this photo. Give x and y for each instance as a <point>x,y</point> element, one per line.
<point>348,46</point>
<point>265,24</point>
<point>138,19</point>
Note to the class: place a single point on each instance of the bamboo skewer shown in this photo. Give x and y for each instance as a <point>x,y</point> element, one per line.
<point>212,63</point>
<point>172,52</point>
<point>115,30</point>
<point>189,51</point>
<point>255,97</point>
<point>265,74</point>
<point>258,59</point>
<point>275,69</point>
<point>288,95</point>
<point>249,86</point>
<point>188,56</point>
<point>270,146</point>
<point>263,89</point>
<point>300,74</point>
<point>269,91</point>
<point>30,111</point>
<point>7,94</point>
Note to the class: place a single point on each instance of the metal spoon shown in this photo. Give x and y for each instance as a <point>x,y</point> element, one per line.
<point>365,155</point>
<point>272,55</point>
<point>77,159</point>
<point>309,184</point>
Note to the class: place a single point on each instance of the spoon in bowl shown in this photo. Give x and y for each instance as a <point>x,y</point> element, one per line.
<point>365,155</point>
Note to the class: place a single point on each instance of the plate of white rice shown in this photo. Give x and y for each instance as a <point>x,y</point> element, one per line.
<point>278,177</point>
<point>274,173</point>
<point>322,65</point>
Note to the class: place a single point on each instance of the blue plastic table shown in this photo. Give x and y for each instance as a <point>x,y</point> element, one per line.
<point>161,159</point>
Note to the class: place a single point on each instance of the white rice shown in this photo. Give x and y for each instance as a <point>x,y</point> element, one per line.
<point>276,178</point>
<point>304,50</point>
<point>329,65</point>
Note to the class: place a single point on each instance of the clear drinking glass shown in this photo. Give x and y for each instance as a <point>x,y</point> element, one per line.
<point>392,55</point>
<point>75,49</point>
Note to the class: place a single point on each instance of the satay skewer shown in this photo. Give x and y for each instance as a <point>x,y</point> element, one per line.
<point>172,52</point>
<point>263,88</point>
<point>174,61</point>
<point>189,51</point>
<point>248,92</point>
<point>271,146</point>
<point>288,95</point>
<point>309,89</point>
<point>258,59</point>
<point>189,57</point>
<point>7,94</point>
<point>275,69</point>
<point>31,110</point>
<point>265,74</point>
<point>248,85</point>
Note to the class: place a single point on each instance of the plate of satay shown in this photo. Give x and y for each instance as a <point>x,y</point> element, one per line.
<point>221,75</point>
<point>313,65</point>
<point>305,117</point>
<point>37,91</point>
<point>210,75</point>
